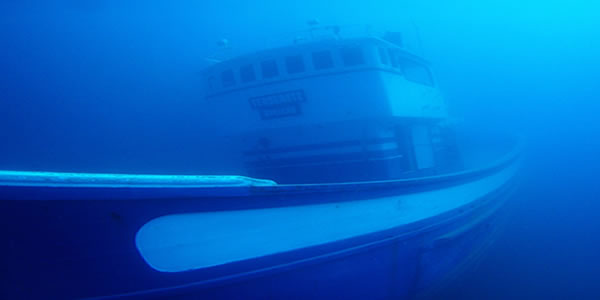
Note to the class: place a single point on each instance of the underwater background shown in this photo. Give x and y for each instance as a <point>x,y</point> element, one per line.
<point>114,86</point>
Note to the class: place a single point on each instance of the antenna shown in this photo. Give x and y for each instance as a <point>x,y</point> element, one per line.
<point>298,39</point>
<point>211,60</point>
<point>223,43</point>
<point>418,33</point>
<point>369,30</point>
<point>313,24</point>
<point>336,31</point>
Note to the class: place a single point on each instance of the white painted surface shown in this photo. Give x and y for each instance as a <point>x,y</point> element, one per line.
<point>422,146</point>
<point>368,91</point>
<point>182,242</point>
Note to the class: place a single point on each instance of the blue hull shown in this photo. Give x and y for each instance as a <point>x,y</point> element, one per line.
<point>96,241</point>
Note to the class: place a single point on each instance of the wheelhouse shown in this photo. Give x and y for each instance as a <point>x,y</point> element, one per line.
<point>323,106</point>
<point>325,57</point>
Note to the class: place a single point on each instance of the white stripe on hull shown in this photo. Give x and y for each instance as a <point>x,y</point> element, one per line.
<point>183,242</point>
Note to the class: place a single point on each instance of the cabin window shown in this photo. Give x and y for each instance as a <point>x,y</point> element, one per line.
<point>294,64</point>
<point>247,73</point>
<point>394,56</point>
<point>227,78</point>
<point>352,56</point>
<point>416,72</point>
<point>322,60</point>
<point>383,56</point>
<point>211,83</point>
<point>269,68</point>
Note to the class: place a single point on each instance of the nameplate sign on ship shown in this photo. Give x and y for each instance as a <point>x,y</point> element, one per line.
<point>279,105</point>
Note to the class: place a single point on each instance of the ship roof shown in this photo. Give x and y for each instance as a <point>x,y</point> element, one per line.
<point>312,45</point>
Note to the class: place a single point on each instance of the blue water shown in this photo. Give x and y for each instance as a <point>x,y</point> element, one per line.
<point>114,87</point>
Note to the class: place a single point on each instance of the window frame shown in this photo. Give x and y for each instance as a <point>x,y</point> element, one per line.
<point>317,62</point>
<point>394,56</point>
<point>294,64</point>
<point>229,81</point>
<point>384,57</point>
<point>211,83</point>
<point>352,55</point>
<point>429,76</point>
<point>275,66</point>
<point>244,71</point>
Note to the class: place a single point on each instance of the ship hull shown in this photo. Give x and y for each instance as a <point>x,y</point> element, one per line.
<point>385,239</point>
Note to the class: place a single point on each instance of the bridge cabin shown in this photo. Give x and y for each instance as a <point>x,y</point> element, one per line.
<point>330,110</point>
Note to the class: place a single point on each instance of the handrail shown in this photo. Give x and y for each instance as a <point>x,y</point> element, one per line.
<point>33,178</point>
<point>495,165</point>
<point>8,177</point>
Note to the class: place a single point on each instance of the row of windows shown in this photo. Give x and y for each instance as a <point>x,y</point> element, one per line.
<point>321,60</point>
